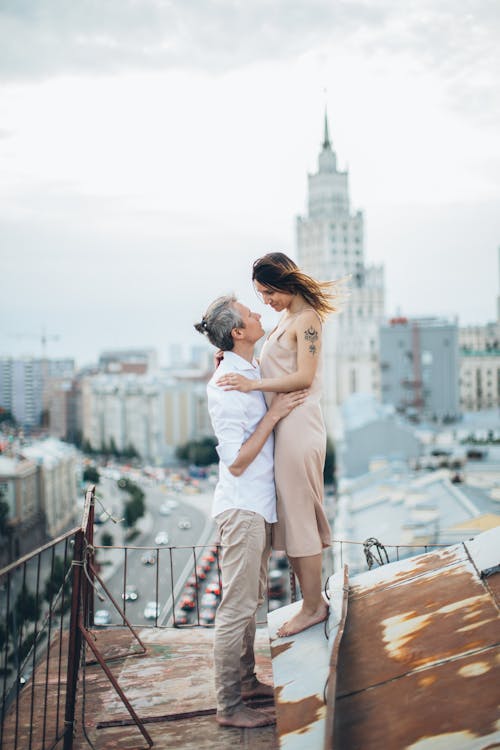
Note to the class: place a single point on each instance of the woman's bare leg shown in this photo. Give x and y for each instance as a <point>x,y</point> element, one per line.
<point>314,609</point>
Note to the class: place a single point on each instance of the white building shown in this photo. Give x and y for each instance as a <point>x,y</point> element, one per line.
<point>480,363</point>
<point>479,379</point>
<point>57,482</point>
<point>19,489</point>
<point>25,385</point>
<point>330,245</point>
<point>151,415</point>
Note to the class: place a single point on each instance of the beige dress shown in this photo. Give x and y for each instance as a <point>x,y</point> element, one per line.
<point>299,456</point>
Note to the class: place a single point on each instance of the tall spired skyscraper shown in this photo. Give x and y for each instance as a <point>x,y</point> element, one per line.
<point>330,245</point>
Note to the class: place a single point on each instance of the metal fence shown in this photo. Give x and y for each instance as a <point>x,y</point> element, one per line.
<point>49,603</point>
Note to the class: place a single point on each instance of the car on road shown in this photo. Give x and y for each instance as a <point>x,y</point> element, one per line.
<point>172,504</point>
<point>213,587</point>
<point>152,610</point>
<point>180,617</point>
<point>165,510</point>
<point>102,617</point>
<point>131,593</point>
<point>188,603</point>
<point>184,523</point>
<point>210,600</point>
<point>200,573</point>
<point>161,538</point>
<point>276,584</point>
<point>207,616</point>
<point>148,558</point>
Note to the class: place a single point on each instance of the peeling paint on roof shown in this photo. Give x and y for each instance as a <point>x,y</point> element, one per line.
<point>419,663</point>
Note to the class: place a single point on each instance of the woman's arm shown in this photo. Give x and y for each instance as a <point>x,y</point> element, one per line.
<point>308,332</point>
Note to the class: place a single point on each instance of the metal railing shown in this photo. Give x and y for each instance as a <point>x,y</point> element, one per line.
<point>48,608</point>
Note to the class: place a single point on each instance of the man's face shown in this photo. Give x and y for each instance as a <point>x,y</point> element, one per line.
<point>252,330</point>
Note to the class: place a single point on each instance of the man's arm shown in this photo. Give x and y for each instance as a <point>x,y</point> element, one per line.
<point>282,405</point>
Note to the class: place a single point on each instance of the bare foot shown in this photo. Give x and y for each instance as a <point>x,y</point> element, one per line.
<point>257,690</point>
<point>247,718</point>
<point>303,620</point>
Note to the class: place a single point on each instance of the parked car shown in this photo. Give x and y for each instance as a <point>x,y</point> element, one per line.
<point>148,558</point>
<point>280,560</point>
<point>276,584</point>
<point>180,617</point>
<point>184,523</point>
<point>130,594</point>
<point>213,588</point>
<point>209,600</point>
<point>152,610</point>
<point>200,573</point>
<point>102,617</point>
<point>161,538</point>
<point>188,603</point>
<point>207,616</point>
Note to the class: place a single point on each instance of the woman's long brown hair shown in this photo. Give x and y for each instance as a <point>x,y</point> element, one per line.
<point>278,272</point>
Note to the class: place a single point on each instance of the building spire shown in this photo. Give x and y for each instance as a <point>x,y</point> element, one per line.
<point>326,139</point>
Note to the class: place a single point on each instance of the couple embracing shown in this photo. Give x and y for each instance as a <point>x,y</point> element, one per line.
<point>271,438</point>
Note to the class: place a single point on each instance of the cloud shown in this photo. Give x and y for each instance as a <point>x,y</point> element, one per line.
<point>456,40</point>
<point>52,36</point>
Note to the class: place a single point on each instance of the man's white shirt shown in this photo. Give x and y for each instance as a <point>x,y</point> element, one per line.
<point>235,416</point>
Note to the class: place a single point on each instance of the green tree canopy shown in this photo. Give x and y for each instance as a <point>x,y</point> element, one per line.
<point>91,474</point>
<point>200,452</point>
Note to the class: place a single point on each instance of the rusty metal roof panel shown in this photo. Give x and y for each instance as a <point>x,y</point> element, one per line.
<point>419,662</point>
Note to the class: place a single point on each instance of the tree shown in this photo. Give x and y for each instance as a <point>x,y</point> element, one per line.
<point>5,529</point>
<point>200,452</point>
<point>27,607</point>
<point>107,539</point>
<point>134,509</point>
<point>91,475</point>
<point>6,416</point>
<point>55,582</point>
<point>86,447</point>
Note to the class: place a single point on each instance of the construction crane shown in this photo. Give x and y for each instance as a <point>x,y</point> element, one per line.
<point>44,337</point>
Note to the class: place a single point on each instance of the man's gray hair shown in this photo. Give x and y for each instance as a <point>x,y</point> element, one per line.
<point>219,321</point>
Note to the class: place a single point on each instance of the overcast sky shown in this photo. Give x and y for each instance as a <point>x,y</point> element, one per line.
<point>150,150</point>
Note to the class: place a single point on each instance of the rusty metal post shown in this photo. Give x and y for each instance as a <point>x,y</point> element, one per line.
<point>75,640</point>
<point>88,587</point>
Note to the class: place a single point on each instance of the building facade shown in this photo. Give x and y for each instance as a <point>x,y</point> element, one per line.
<point>57,482</point>
<point>19,489</point>
<point>479,379</point>
<point>330,245</point>
<point>419,367</point>
<point>149,415</point>
<point>25,386</point>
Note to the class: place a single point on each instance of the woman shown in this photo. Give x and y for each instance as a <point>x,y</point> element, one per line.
<point>290,361</point>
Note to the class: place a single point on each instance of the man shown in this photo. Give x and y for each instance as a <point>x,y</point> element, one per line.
<point>244,506</point>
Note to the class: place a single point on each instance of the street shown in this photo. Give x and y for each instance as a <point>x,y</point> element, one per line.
<point>124,567</point>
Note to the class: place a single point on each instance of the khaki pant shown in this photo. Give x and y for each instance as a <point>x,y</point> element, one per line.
<point>246,543</point>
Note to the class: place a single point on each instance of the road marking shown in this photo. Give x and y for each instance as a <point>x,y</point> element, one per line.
<point>169,605</point>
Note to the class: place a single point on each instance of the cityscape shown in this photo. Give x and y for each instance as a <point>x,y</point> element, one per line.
<point>110,563</point>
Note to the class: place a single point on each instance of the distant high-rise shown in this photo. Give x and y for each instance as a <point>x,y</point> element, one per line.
<point>330,245</point>
<point>25,385</point>
<point>419,367</point>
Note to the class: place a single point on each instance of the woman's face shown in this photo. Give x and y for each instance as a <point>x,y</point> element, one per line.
<point>277,300</point>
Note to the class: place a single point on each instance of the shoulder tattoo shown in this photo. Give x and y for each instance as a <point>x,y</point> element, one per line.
<point>311,335</point>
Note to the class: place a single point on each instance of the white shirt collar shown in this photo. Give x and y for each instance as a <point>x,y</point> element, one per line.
<point>236,362</point>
